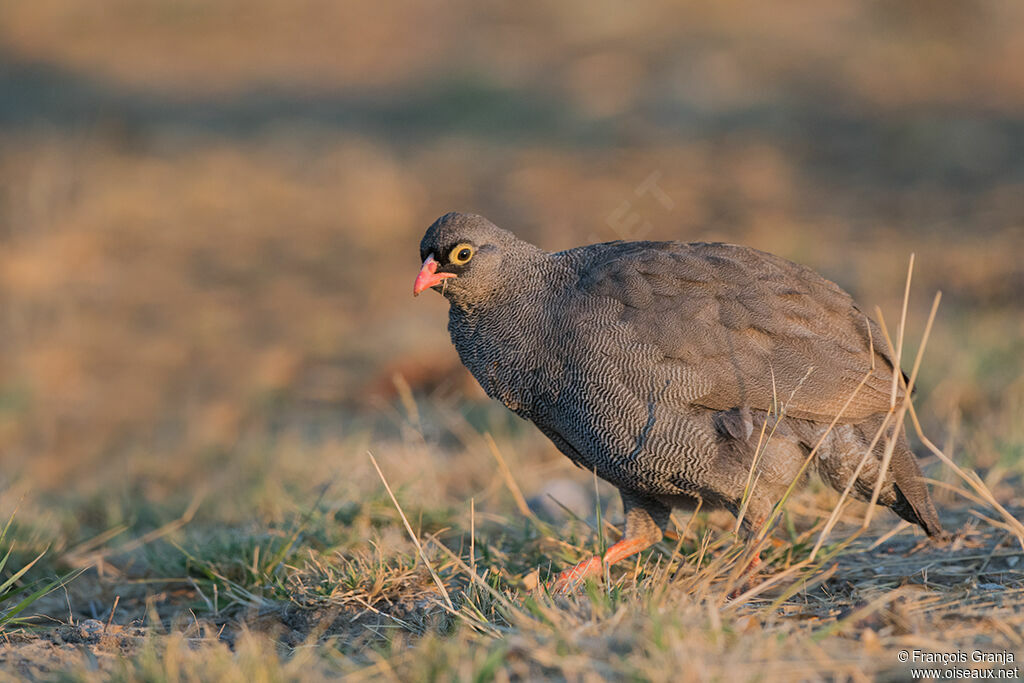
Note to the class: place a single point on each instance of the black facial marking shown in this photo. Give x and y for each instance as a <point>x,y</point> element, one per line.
<point>443,255</point>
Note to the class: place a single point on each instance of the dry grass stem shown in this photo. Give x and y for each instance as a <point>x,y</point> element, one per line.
<point>412,536</point>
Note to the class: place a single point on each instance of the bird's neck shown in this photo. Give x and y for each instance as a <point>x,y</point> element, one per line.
<point>496,340</point>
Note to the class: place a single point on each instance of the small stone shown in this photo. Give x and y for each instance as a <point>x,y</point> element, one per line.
<point>560,497</point>
<point>870,640</point>
<point>532,580</point>
<point>90,628</point>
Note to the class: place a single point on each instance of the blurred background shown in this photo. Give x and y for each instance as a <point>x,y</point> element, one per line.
<point>210,213</point>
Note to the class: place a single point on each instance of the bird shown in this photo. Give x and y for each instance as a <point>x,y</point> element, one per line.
<point>682,373</point>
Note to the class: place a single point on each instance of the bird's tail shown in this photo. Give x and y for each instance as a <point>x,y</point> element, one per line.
<point>913,502</point>
<point>904,490</point>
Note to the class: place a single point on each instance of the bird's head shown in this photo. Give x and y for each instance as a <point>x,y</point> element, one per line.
<point>470,260</point>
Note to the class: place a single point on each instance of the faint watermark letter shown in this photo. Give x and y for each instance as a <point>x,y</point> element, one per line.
<point>628,221</point>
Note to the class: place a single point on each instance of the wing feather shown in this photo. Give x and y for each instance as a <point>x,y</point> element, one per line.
<point>755,328</point>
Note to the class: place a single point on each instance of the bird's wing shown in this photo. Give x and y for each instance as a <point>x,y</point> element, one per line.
<point>753,329</point>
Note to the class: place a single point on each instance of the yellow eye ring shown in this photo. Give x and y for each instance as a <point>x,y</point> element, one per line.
<point>461,254</point>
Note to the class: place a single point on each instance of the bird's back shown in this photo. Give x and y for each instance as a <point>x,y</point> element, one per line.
<point>750,328</point>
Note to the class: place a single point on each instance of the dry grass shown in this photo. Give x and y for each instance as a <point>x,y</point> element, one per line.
<point>209,219</point>
<point>341,588</point>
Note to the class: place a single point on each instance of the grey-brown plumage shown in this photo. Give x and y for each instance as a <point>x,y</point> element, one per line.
<point>657,364</point>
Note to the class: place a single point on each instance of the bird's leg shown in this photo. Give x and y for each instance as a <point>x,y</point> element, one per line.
<point>753,523</point>
<point>645,520</point>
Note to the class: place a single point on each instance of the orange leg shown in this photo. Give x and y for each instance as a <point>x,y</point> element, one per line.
<point>748,578</point>
<point>645,519</point>
<point>756,564</point>
<point>573,577</point>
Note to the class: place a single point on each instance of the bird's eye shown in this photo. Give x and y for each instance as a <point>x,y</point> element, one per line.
<point>461,254</point>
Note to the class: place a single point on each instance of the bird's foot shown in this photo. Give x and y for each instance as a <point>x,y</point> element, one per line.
<point>749,577</point>
<point>572,578</point>
<point>933,542</point>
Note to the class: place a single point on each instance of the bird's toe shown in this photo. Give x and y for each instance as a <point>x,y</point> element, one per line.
<point>572,578</point>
